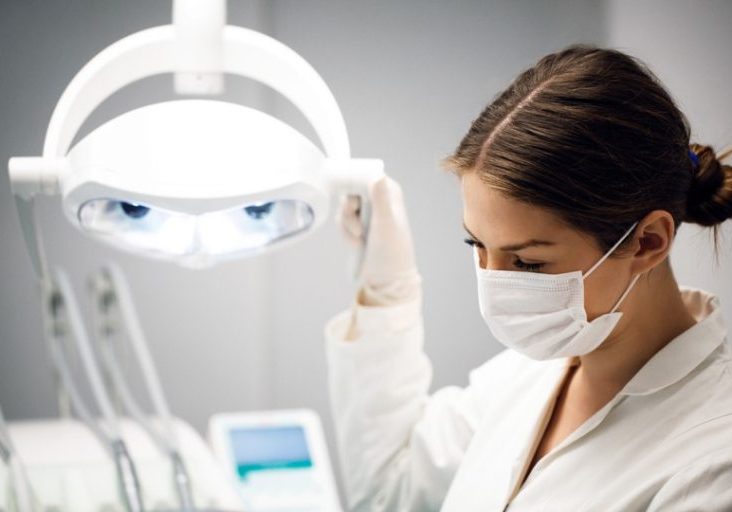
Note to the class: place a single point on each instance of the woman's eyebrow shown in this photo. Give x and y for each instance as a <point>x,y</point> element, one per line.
<point>515,247</point>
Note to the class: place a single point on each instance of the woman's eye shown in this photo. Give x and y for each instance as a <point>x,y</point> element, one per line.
<point>518,263</point>
<point>531,267</point>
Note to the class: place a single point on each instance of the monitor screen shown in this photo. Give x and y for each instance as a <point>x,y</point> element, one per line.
<point>269,448</point>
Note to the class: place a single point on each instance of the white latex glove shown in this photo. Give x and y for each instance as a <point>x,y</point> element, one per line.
<point>389,274</point>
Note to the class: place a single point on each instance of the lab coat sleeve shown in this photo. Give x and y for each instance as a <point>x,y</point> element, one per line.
<point>399,447</point>
<point>704,485</point>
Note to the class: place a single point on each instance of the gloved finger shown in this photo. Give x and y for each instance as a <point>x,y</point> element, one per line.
<point>387,201</point>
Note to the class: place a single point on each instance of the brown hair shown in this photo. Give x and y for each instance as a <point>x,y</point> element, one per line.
<point>592,135</point>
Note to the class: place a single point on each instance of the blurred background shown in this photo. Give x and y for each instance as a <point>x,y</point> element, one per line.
<point>409,75</point>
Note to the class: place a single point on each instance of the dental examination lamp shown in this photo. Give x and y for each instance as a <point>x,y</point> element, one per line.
<point>194,181</point>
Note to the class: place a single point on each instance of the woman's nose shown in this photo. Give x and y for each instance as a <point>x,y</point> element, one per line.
<point>493,261</point>
<point>482,257</point>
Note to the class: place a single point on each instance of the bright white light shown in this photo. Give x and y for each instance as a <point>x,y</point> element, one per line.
<point>245,229</point>
<point>253,226</point>
<point>139,226</point>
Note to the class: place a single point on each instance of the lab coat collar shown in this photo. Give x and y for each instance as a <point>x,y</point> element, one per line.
<point>685,352</point>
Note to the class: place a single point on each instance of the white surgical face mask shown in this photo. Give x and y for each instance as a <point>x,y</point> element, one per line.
<point>543,315</point>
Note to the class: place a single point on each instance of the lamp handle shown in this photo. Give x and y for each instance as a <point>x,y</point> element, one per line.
<point>354,177</point>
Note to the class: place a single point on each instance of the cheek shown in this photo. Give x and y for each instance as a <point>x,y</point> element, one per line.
<point>604,287</point>
<point>595,298</point>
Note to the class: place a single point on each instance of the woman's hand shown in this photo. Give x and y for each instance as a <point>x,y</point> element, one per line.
<point>389,273</point>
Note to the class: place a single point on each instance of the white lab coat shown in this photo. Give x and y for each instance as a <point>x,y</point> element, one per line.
<point>663,444</point>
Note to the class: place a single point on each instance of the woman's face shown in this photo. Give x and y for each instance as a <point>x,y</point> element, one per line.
<point>513,235</point>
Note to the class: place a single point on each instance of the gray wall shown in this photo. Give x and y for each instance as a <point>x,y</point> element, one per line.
<point>409,76</point>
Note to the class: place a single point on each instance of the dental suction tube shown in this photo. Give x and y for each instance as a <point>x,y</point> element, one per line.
<point>65,318</point>
<point>113,301</point>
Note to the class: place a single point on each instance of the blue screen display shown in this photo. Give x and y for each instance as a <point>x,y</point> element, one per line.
<point>269,448</point>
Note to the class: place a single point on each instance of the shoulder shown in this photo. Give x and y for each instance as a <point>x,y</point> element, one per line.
<point>707,392</point>
<point>705,484</point>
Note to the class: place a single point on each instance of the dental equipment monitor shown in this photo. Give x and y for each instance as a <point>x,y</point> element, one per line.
<point>278,459</point>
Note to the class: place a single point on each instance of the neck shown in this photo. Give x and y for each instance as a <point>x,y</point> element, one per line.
<point>647,325</point>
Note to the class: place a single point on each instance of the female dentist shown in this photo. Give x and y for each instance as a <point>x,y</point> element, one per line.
<point>616,393</point>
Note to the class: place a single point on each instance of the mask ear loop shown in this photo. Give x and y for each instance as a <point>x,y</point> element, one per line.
<point>608,253</point>
<point>625,293</point>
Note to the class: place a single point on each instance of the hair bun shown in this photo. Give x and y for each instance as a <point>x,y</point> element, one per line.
<point>709,201</point>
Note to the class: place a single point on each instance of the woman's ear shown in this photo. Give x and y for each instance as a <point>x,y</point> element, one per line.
<point>653,240</point>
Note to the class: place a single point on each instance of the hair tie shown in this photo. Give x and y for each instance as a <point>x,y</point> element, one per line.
<point>694,159</point>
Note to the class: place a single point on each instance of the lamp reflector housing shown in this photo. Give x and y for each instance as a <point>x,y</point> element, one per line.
<point>196,181</point>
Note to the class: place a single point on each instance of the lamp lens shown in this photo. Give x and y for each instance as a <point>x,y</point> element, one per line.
<point>258,211</point>
<point>144,228</point>
<point>133,210</point>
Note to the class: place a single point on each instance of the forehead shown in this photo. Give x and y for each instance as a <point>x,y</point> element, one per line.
<point>496,218</point>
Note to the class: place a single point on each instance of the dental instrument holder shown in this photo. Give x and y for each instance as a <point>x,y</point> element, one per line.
<point>21,493</point>
<point>115,309</point>
<point>198,48</point>
<point>63,318</point>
